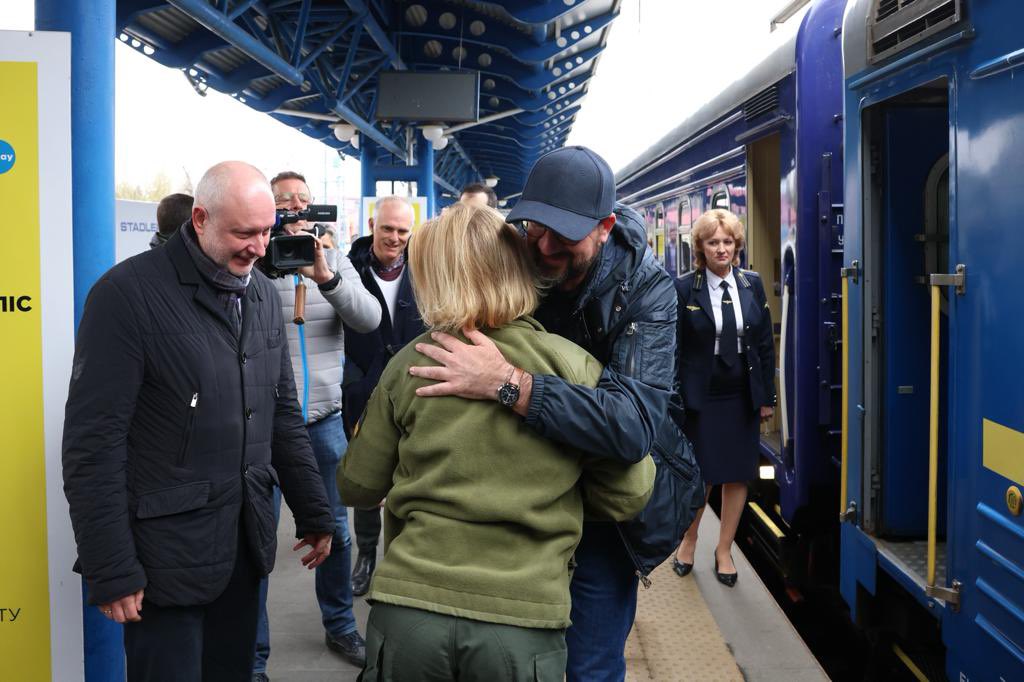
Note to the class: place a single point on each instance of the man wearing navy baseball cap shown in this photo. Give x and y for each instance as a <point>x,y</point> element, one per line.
<point>610,296</point>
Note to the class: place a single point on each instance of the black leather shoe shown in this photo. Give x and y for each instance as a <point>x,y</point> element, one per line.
<point>361,574</point>
<point>681,569</point>
<point>351,647</point>
<point>727,579</point>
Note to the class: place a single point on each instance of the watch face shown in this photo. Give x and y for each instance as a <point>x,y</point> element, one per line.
<point>508,394</point>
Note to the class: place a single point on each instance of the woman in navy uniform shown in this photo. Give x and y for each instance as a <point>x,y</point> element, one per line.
<point>726,370</point>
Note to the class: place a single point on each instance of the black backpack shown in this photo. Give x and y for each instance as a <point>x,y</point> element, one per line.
<point>678,494</point>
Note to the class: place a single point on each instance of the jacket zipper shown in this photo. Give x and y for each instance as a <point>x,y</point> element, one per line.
<point>182,457</point>
<point>631,357</point>
<point>644,580</point>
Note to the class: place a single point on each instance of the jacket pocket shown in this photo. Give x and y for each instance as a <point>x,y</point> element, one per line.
<point>176,500</point>
<point>273,338</point>
<point>173,528</point>
<point>186,439</point>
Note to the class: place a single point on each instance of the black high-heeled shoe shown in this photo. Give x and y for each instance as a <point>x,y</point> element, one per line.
<point>727,579</point>
<point>682,569</point>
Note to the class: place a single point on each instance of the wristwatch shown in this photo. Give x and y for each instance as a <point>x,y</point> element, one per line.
<point>508,393</point>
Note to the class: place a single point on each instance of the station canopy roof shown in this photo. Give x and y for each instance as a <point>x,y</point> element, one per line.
<point>314,63</point>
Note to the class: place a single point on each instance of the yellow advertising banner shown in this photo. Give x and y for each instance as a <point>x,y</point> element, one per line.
<point>24,574</point>
<point>41,634</point>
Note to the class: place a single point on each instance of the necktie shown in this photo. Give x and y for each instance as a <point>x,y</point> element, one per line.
<point>727,341</point>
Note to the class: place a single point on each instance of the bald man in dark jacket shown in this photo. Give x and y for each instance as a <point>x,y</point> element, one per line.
<point>180,420</point>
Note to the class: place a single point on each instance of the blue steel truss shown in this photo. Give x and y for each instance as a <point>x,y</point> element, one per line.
<point>312,63</point>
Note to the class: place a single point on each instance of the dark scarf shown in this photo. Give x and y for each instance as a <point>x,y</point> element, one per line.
<point>388,273</point>
<point>230,288</point>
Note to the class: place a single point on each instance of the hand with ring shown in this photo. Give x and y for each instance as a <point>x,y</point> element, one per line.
<point>127,609</point>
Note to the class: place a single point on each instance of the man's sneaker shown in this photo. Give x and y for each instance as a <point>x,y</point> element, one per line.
<point>260,677</point>
<point>351,647</point>
<point>361,574</point>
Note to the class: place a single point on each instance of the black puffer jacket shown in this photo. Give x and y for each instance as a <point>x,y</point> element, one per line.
<point>176,431</point>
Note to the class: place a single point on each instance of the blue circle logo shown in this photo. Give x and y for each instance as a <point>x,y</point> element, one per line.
<point>6,156</point>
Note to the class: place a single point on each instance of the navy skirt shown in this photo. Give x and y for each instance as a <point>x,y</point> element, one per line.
<point>724,432</point>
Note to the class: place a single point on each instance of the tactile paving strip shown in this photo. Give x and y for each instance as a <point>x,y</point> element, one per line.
<point>675,637</point>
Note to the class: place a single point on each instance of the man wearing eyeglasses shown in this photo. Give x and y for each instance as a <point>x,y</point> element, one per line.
<point>334,298</point>
<point>609,295</point>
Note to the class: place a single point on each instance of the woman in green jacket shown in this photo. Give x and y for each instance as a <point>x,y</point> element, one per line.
<point>482,513</point>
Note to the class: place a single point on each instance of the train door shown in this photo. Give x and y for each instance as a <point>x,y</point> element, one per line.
<point>985,635</point>
<point>908,200</point>
<point>764,251</point>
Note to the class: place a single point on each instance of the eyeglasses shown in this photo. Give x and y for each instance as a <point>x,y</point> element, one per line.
<point>537,230</point>
<point>285,197</point>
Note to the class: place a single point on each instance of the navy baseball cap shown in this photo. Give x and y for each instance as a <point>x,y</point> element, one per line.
<point>569,190</point>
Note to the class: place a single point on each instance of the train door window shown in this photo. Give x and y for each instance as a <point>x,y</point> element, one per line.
<point>720,200</point>
<point>659,235</point>
<point>683,255</point>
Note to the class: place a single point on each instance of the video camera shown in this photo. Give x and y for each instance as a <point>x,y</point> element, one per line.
<point>289,252</point>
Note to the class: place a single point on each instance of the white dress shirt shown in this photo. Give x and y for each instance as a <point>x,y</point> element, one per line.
<point>716,291</point>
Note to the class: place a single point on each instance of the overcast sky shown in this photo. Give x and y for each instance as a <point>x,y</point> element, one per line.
<point>656,49</point>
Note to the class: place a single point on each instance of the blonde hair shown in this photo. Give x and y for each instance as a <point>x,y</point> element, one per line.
<point>471,269</point>
<point>706,226</point>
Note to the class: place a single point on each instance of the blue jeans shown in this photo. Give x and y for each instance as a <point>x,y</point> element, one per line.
<point>333,577</point>
<point>603,592</point>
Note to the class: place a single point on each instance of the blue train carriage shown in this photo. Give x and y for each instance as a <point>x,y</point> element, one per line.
<point>932,538</point>
<point>768,148</point>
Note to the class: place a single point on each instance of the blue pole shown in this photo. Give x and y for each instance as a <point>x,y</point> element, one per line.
<point>92,26</point>
<point>368,178</point>
<point>425,182</point>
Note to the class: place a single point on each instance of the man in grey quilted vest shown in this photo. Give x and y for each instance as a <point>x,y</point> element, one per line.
<point>334,297</point>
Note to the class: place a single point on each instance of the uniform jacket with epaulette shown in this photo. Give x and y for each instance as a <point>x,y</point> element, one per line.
<point>696,334</point>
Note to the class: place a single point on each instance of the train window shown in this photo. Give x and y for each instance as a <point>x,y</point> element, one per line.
<point>720,200</point>
<point>683,259</point>
<point>683,262</point>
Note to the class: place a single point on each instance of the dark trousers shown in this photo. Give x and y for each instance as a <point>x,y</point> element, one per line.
<point>367,523</point>
<point>603,591</point>
<point>214,641</point>
<point>411,645</point>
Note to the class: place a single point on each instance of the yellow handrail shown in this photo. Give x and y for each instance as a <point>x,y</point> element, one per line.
<point>844,447</point>
<point>933,436</point>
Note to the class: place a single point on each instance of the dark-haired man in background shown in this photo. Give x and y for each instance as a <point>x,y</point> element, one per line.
<point>171,213</point>
<point>478,194</point>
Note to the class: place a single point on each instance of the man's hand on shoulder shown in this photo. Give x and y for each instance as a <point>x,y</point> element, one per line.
<point>127,609</point>
<point>320,544</point>
<point>474,370</point>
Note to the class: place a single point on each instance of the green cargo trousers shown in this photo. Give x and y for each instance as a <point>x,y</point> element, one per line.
<point>411,645</point>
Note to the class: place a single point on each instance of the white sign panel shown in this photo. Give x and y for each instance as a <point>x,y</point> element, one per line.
<point>134,226</point>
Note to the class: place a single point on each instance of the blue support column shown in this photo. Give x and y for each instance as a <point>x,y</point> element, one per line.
<point>425,181</point>
<point>92,26</point>
<point>368,178</point>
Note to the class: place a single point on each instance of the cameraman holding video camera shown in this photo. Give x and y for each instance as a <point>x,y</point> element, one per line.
<point>318,300</point>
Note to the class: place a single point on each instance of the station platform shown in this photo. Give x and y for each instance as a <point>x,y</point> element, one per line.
<point>689,628</point>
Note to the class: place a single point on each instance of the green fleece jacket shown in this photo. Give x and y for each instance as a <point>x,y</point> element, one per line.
<point>482,513</point>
